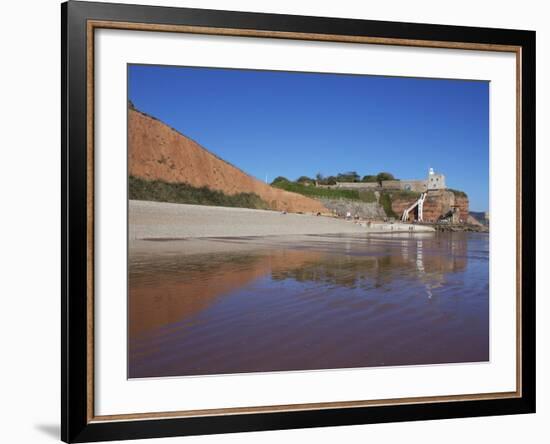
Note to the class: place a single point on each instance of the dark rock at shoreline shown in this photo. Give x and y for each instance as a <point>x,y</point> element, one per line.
<point>461,228</point>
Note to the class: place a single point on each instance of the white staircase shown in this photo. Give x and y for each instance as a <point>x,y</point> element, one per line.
<point>420,204</point>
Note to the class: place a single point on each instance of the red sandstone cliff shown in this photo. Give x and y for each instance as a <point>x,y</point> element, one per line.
<point>438,203</point>
<point>158,152</point>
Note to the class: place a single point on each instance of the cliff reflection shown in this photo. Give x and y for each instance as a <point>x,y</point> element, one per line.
<point>380,263</point>
<point>165,289</point>
<point>267,304</point>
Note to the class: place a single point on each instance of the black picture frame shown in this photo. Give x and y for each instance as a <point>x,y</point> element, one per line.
<point>76,326</point>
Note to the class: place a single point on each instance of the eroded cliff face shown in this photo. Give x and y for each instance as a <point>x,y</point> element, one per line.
<point>366,210</point>
<point>438,203</point>
<point>158,152</point>
<point>399,205</point>
<point>464,205</point>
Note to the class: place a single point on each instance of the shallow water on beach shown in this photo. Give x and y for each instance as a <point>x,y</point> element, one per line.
<point>263,304</point>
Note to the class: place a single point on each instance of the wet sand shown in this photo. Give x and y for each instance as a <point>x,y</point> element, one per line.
<point>168,221</point>
<point>305,302</point>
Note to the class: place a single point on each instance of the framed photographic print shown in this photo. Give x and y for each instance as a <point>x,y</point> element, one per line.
<point>276,221</point>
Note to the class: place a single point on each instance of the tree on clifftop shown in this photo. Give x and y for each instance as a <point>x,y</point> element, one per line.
<point>369,178</point>
<point>350,176</point>
<point>279,179</point>
<point>384,176</point>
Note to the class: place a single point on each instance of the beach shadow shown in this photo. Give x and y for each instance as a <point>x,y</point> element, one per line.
<point>51,430</point>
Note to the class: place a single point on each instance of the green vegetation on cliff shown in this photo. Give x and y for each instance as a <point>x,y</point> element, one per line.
<point>385,202</point>
<point>367,196</point>
<point>349,176</point>
<point>315,192</point>
<point>160,191</point>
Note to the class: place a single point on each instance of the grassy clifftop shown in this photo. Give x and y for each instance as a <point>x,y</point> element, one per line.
<point>315,192</point>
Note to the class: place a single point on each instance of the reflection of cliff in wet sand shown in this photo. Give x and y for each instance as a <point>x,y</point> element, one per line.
<point>305,302</point>
<point>170,281</point>
<point>180,295</point>
<point>167,288</point>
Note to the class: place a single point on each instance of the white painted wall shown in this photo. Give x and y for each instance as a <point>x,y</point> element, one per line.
<point>29,218</point>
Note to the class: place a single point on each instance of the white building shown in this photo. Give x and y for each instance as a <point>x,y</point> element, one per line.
<point>436,181</point>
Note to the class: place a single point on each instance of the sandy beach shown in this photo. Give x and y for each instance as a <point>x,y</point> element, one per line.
<point>160,220</point>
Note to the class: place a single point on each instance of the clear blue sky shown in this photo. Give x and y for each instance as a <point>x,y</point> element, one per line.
<point>293,124</point>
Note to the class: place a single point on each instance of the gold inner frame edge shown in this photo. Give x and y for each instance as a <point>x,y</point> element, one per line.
<point>92,25</point>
